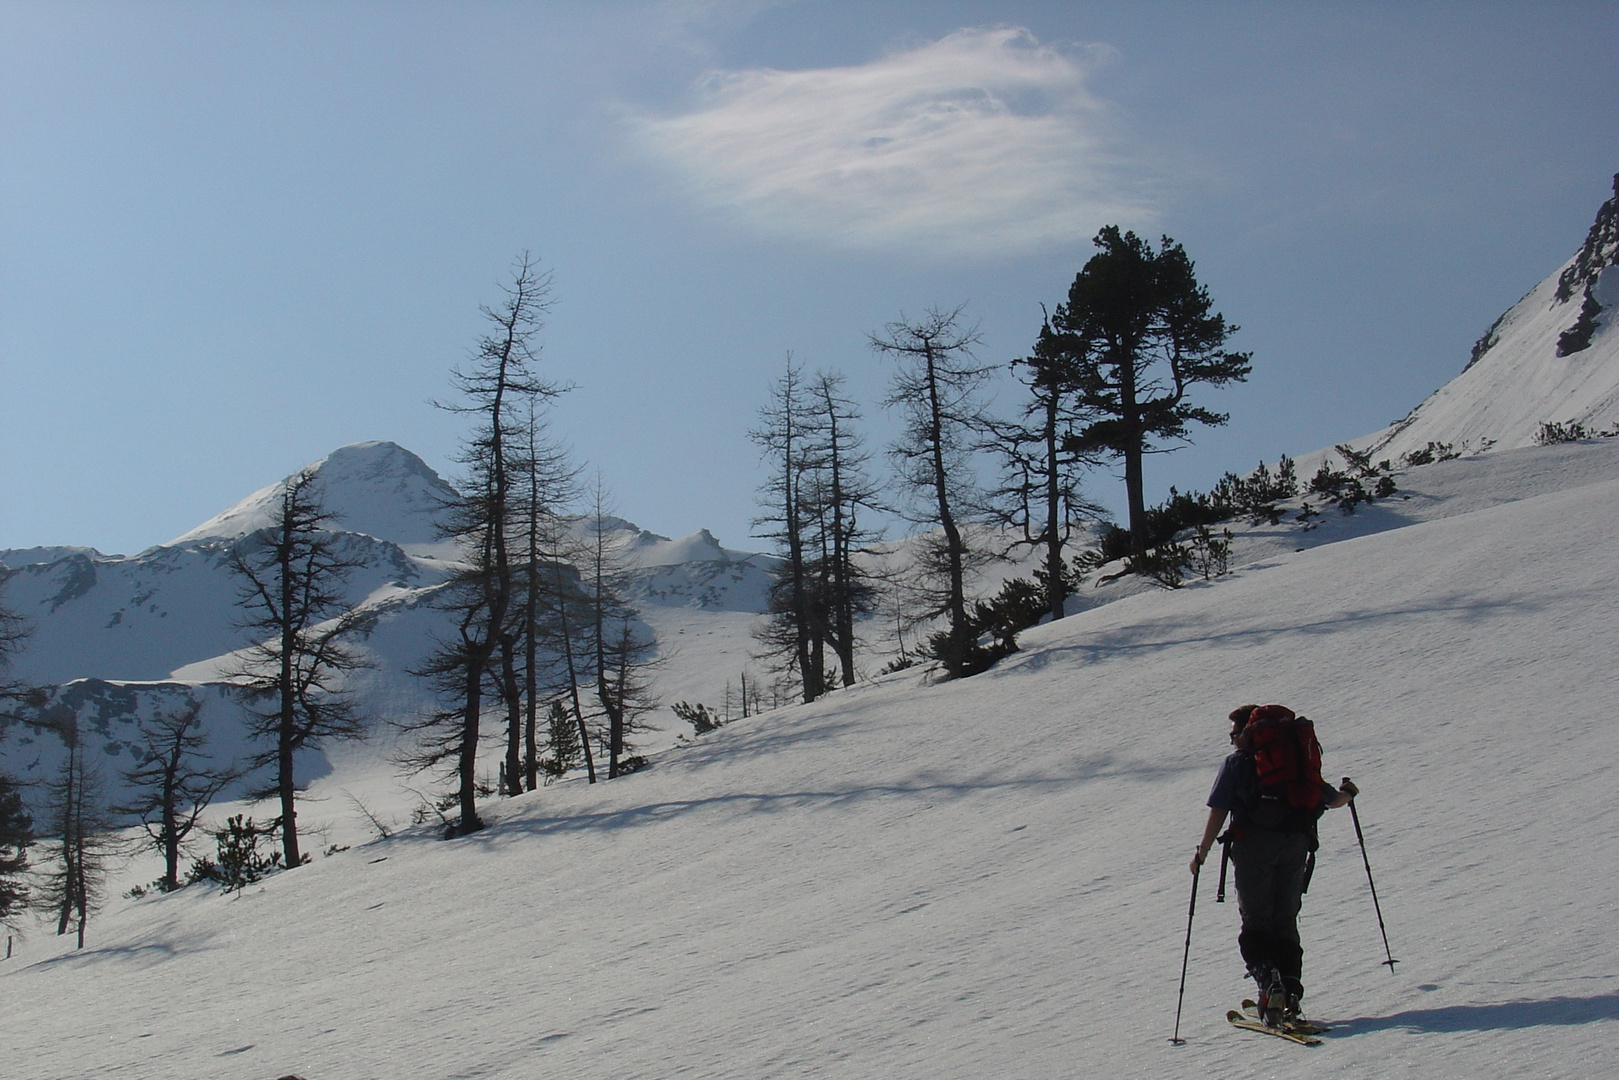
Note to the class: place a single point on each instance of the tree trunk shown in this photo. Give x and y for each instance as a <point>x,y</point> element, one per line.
<point>1056,591</point>
<point>467,763</point>
<point>288,728</point>
<point>947,521</point>
<point>171,830</point>
<point>514,716</point>
<point>573,673</point>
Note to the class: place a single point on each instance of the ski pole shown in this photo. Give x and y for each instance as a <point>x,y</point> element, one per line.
<point>1361,837</point>
<point>1185,956</point>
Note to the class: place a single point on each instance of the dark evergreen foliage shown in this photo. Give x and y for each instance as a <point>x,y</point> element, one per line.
<point>240,862</point>
<point>1553,432</point>
<point>16,836</point>
<point>1136,335</point>
<point>701,720</point>
<point>1434,451</point>
<point>1347,488</point>
<point>566,750</point>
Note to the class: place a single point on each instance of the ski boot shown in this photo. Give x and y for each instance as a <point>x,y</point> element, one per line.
<point>1273,999</point>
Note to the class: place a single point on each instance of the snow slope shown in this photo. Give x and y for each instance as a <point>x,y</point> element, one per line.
<point>1516,381</point>
<point>986,877</point>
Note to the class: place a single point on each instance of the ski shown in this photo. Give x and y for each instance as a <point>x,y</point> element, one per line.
<point>1300,1027</point>
<point>1237,1019</point>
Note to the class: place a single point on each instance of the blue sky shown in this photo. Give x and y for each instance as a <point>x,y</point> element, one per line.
<point>236,236</point>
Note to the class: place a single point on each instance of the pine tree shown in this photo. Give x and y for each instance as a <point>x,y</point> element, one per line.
<point>292,679</point>
<point>16,825</point>
<point>937,387</point>
<point>1039,493</point>
<point>16,836</point>
<point>841,492</point>
<point>80,843</point>
<point>619,649</point>
<point>792,632</point>
<point>1135,336</point>
<point>497,387</point>
<point>173,784</point>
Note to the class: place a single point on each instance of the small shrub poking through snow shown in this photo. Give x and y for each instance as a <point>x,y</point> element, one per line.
<point>240,862</point>
<point>701,720</point>
<point>1434,451</point>
<point>1551,433</point>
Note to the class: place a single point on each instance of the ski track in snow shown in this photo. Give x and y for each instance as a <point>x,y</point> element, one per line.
<point>980,878</point>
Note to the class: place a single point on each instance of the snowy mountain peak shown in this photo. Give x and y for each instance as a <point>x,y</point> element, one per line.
<point>700,546</point>
<point>377,488</point>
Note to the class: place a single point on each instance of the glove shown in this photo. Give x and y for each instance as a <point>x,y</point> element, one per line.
<point>1348,788</point>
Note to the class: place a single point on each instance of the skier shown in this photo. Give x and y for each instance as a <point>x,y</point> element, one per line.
<point>1272,840</point>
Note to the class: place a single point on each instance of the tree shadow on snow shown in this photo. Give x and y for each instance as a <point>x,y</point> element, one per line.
<point>1159,635</point>
<point>1507,1016</point>
<point>909,795</point>
<point>146,953</point>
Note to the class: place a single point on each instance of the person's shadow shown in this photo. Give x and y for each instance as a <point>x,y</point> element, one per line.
<point>1557,1011</point>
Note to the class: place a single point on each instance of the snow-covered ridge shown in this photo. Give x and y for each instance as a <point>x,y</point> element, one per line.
<point>40,556</point>
<point>1516,380</point>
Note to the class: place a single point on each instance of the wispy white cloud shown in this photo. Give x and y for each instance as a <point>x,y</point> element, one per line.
<point>985,141</point>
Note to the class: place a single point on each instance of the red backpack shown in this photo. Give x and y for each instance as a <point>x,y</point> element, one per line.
<point>1287,763</point>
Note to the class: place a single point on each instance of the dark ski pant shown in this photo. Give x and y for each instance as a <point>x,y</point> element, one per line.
<point>1270,889</point>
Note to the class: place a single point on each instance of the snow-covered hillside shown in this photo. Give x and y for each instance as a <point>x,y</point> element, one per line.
<point>1517,380</point>
<point>986,877</point>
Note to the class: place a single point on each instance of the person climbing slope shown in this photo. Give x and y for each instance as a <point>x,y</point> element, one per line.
<point>1272,789</point>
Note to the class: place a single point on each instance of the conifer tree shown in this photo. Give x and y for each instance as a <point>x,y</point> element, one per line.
<point>1136,336</point>
<point>547,482</point>
<point>173,784</point>
<point>620,652</point>
<point>937,388</point>
<point>497,386</point>
<point>81,840</point>
<point>842,491</point>
<point>785,438</point>
<point>1039,493</point>
<point>16,825</point>
<point>16,836</point>
<point>292,680</point>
